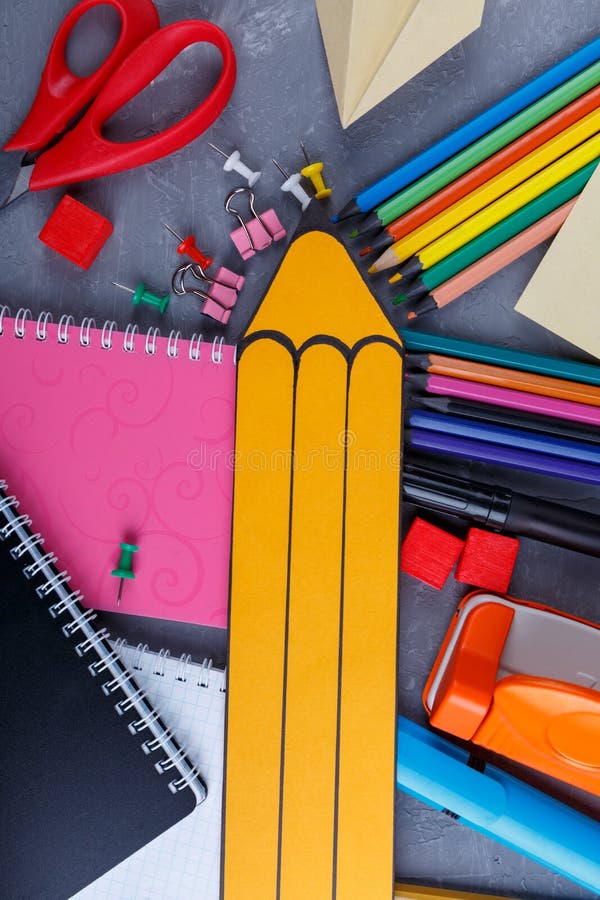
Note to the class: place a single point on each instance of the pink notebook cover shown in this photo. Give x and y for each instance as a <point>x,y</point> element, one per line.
<point>102,445</point>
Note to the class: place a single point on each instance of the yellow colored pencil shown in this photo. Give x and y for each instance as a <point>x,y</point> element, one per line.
<point>419,892</point>
<point>503,207</point>
<point>495,187</point>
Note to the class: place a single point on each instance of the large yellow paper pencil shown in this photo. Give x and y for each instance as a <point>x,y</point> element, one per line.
<point>495,187</point>
<point>323,358</point>
<point>509,203</point>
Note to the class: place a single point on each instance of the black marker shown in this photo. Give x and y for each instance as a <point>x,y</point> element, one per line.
<point>501,509</point>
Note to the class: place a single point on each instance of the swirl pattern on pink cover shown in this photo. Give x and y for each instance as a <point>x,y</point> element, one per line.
<point>104,445</point>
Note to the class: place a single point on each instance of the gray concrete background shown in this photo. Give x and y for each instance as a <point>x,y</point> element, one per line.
<point>283,93</point>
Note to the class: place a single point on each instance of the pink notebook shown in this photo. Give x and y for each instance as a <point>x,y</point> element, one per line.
<point>108,437</point>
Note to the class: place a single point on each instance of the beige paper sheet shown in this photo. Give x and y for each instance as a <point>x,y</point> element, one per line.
<point>563,295</point>
<point>375,46</point>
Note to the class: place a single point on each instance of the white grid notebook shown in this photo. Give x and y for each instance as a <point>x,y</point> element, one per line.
<point>183,862</point>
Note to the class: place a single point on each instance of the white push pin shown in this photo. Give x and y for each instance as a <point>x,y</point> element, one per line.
<point>233,163</point>
<point>292,184</point>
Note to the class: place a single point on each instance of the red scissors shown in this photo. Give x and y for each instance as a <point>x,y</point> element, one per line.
<point>60,155</point>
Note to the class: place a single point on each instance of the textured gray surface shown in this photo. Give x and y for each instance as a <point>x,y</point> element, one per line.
<point>283,93</point>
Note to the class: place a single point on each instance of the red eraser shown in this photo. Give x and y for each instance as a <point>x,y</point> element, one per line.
<point>429,553</point>
<point>487,560</point>
<point>76,232</point>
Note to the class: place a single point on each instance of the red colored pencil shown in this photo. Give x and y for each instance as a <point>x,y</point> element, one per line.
<point>534,138</point>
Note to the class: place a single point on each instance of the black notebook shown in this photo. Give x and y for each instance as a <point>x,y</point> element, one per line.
<point>88,771</point>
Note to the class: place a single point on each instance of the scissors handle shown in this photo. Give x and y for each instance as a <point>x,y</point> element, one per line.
<point>84,153</point>
<point>61,94</point>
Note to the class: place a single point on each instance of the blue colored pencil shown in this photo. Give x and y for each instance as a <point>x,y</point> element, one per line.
<point>513,458</point>
<point>421,341</point>
<point>469,132</point>
<point>510,437</point>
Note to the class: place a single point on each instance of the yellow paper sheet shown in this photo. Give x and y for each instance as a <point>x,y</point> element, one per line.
<point>375,47</point>
<point>562,296</point>
<point>314,724</point>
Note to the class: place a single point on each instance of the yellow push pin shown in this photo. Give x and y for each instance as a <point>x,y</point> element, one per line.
<point>313,172</point>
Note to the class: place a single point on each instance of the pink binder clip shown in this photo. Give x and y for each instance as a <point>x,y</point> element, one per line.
<point>219,299</point>
<point>257,233</point>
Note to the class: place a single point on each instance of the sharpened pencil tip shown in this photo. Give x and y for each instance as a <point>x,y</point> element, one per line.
<point>365,251</point>
<point>395,278</point>
<point>353,233</point>
<point>372,269</point>
<point>412,315</point>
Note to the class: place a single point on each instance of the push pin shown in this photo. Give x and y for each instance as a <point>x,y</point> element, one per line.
<point>233,163</point>
<point>142,295</point>
<point>124,569</point>
<point>210,307</point>
<point>187,247</point>
<point>258,232</point>
<point>293,186</point>
<point>313,172</point>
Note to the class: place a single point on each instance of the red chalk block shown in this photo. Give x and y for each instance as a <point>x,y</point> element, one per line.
<point>76,232</point>
<point>429,553</point>
<point>487,560</point>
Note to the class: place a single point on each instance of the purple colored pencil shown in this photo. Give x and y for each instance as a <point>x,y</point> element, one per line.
<point>500,455</point>
<point>500,396</point>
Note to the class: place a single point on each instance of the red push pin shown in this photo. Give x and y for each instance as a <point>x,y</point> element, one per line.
<point>187,247</point>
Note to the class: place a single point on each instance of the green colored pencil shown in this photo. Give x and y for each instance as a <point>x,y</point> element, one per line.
<point>503,231</point>
<point>483,148</point>
<point>422,342</point>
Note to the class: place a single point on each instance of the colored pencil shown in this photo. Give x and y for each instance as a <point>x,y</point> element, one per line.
<point>500,209</point>
<point>472,179</point>
<point>502,136</point>
<point>443,149</point>
<point>498,234</point>
<point>511,457</point>
<point>498,415</point>
<point>493,262</point>
<point>509,437</point>
<point>503,376</point>
<point>499,396</point>
<point>422,892</point>
<point>422,341</point>
<point>492,190</point>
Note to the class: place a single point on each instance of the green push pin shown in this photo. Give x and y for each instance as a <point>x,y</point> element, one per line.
<point>124,569</point>
<point>142,295</point>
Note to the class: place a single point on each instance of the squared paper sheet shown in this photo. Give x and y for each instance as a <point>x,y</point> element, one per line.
<point>183,863</point>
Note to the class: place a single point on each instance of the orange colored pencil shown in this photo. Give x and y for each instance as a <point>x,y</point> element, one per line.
<point>477,176</point>
<point>498,376</point>
<point>492,262</point>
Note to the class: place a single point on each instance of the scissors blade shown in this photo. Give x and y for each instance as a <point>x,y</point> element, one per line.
<point>20,186</point>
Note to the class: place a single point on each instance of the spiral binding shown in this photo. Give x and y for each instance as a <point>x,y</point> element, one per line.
<point>83,332</point>
<point>184,669</point>
<point>91,641</point>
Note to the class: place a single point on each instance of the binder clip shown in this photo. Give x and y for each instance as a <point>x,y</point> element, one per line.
<point>257,233</point>
<point>221,296</point>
